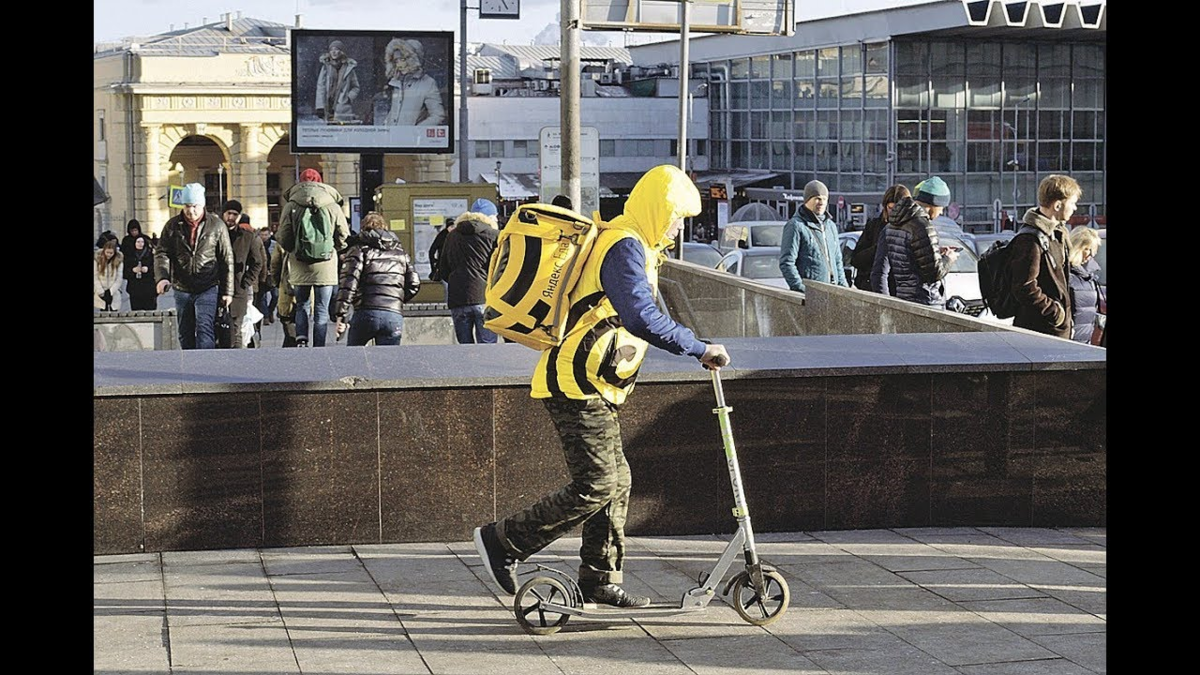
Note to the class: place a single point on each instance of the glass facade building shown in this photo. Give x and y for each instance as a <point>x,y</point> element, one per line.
<point>992,118</point>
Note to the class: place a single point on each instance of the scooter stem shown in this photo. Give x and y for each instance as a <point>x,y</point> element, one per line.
<point>740,511</point>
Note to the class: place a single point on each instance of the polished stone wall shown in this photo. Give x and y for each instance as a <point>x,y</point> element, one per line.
<point>253,448</point>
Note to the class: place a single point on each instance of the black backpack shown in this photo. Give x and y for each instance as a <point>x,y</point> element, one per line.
<point>995,281</point>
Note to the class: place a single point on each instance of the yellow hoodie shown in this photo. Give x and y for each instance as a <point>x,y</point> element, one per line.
<point>598,357</point>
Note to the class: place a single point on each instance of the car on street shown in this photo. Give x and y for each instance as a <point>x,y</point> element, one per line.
<point>704,255</point>
<point>750,234</point>
<point>759,264</point>
<point>750,226</point>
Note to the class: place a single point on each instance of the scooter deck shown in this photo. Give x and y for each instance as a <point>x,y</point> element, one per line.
<point>591,610</point>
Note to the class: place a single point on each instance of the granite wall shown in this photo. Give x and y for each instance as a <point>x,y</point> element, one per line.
<point>250,448</point>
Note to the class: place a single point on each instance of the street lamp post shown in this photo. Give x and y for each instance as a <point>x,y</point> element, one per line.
<point>220,185</point>
<point>1014,162</point>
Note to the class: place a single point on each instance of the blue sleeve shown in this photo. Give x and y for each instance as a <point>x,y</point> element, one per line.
<point>789,248</point>
<point>623,275</point>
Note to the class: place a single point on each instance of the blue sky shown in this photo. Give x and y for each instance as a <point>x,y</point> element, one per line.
<point>115,19</point>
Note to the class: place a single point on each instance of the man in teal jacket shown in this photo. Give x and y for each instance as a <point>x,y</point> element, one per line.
<point>809,248</point>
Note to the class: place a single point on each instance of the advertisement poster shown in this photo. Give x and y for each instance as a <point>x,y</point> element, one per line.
<point>372,91</point>
<point>429,216</point>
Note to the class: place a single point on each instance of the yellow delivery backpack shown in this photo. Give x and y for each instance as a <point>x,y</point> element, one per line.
<point>538,259</point>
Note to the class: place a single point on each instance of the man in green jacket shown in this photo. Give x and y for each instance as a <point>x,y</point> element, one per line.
<point>318,279</point>
<point>194,257</point>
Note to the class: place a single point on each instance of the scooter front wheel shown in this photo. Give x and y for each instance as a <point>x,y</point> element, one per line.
<point>533,617</point>
<point>763,608</point>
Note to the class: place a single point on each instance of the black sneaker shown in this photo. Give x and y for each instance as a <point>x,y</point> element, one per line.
<point>613,595</point>
<point>500,566</point>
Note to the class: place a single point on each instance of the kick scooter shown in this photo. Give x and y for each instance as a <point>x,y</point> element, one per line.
<point>760,594</point>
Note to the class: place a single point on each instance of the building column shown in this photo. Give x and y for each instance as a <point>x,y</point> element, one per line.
<point>433,168</point>
<point>150,173</point>
<point>250,169</point>
<point>341,171</point>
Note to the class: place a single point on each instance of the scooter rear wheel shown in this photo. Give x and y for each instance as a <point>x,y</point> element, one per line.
<point>761,609</point>
<point>531,615</point>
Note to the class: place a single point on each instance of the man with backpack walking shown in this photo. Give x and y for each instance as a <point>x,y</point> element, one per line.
<point>312,228</point>
<point>1038,265</point>
<point>586,378</point>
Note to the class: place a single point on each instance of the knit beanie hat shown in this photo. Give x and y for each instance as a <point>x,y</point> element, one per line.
<point>232,205</point>
<point>815,188</point>
<point>933,190</point>
<point>484,207</point>
<point>192,193</point>
<point>310,176</point>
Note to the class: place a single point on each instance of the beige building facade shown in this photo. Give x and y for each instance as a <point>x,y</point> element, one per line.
<point>210,105</point>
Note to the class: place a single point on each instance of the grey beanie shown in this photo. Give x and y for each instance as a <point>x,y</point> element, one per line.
<point>815,188</point>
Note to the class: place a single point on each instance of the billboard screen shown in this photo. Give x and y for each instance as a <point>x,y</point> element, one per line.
<point>372,91</point>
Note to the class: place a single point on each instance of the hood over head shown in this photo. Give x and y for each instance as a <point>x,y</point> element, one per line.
<point>660,196</point>
<point>470,222</point>
<point>905,210</point>
<point>378,238</point>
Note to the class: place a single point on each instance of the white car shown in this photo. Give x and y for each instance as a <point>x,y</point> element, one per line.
<point>750,234</point>
<point>759,264</point>
<point>704,255</point>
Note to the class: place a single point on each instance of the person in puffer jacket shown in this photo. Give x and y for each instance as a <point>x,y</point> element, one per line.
<point>377,279</point>
<point>909,252</point>
<point>464,265</point>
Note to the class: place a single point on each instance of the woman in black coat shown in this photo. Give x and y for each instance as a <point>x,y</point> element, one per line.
<point>139,275</point>
<point>376,280</point>
<point>864,252</point>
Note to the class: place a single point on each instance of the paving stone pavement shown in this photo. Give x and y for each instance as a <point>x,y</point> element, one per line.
<point>916,601</point>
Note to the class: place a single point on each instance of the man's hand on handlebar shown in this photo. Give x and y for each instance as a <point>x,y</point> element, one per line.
<point>715,357</point>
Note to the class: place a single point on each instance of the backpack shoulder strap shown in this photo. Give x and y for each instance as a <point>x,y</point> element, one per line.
<point>1041,236</point>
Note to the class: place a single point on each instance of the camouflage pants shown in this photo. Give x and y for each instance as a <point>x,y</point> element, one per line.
<point>597,496</point>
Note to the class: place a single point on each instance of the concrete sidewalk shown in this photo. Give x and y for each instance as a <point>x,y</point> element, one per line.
<point>929,601</point>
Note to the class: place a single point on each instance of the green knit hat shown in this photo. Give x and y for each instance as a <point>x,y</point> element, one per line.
<point>932,190</point>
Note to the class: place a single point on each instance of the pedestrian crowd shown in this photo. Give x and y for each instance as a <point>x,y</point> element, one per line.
<point>1052,268</point>
<point>228,279</point>
<point>223,271</point>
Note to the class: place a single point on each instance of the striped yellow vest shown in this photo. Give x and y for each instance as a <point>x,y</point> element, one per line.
<point>598,357</point>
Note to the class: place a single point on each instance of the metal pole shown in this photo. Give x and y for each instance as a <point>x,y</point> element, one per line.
<point>568,96</point>
<point>463,88</point>
<point>684,16</point>
<point>1015,163</point>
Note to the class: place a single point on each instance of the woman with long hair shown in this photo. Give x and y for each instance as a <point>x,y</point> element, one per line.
<point>106,292</point>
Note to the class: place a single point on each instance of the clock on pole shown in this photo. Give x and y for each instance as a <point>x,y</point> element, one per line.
<point>499,9</point>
